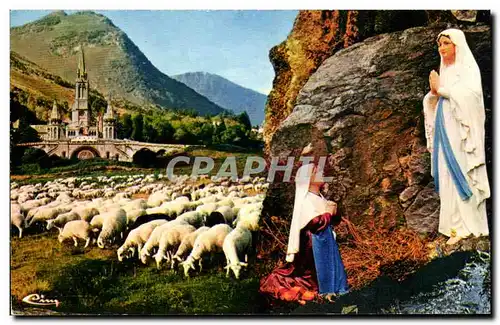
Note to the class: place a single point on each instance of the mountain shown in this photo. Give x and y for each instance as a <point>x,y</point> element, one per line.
<point>226,94</point>
<point>114,63</point>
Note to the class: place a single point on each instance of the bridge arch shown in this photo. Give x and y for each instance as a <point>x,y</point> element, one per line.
<point>85,152</point>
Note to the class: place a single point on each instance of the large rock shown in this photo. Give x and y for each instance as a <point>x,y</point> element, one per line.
<point>367,100</point>
<point>316,35</point>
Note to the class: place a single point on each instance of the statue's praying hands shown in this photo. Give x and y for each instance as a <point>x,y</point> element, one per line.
<point>434,82</point>
<point>434,85</point>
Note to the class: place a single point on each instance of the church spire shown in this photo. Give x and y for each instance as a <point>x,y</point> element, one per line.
<point>82,71</point>
<point>110,114</point>
<point>55,116</point>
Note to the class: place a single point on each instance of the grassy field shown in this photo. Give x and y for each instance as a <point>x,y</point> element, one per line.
<point>92,281</point>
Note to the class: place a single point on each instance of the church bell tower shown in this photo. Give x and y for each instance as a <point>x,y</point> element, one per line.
<point>80,113</point>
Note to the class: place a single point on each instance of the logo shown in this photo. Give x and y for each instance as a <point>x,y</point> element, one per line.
<point>40,300</point>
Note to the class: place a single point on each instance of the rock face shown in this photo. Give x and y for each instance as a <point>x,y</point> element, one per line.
<point>316,35</point>
<point>367,100</point>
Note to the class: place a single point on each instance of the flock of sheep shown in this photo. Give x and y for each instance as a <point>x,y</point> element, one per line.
<point>179,222</point>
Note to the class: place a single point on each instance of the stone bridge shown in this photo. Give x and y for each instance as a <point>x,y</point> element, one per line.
<point>121,150</point>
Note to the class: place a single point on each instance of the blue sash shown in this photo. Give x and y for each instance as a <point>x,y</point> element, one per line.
<point>441,139</point>
<point>330,271</point>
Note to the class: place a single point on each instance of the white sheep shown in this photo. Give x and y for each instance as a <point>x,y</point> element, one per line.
<point>249,221</point>
<point>193,218</point>
<point>156,199</point>
<point>208,242</point>
<point>137,238</point>
<point>228,213</point>
<point>170,239</point>
<point>48,212</point>
<point>249,216</point>
<point>136,204</point>
<point>85,212</point>
<point>61,220</point>
<point>154,239</point>
<point>76,229</point>
<point>133,215</point>
<point>16,217</point>
<point>237,245</point>
<point>31,204</point>
<point>187,244</point>
<point>226,202</point>
<point>115,222</point>
<point>207,208</point>
<point>97,221</point>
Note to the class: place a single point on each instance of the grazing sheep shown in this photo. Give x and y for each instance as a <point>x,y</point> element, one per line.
<point>156,199</point>
<point>136,204</point>
<point>208,242</point>
<point>178,207</point>
<point>154,239</point>
<point>45,213</point>
<point>193,218</point>
<point>207,208</point>
<point>214,218</point>
<point>31,204</point>
<point>249,221</point>
<point>228,213</point>
<point>249,216</point>
<point>237,245</point>
<point>187,244</point>
<point>137,237</point>
<point>115,222</point>
<point>133,215</point>
<point>85,212</point>
<point>16,217</point>
<point>146,218</point>
<point>171,238</point>
<point>76,229</point>
<point>226,202</point>
<point>97,221</point>
<point>61,220</point>
<point>109,207</point>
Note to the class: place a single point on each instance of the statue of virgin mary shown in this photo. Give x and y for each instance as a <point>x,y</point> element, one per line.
<point>454,126</point>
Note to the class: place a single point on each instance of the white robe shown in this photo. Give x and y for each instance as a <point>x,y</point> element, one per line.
<point>464,117</point>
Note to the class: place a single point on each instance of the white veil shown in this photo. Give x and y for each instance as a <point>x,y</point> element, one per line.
<point>465,66</point>
<point>462,82</point>
<point>300,216</point>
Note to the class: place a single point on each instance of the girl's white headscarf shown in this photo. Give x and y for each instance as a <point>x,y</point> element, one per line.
<point>306,207</point>
<point>300,217</point>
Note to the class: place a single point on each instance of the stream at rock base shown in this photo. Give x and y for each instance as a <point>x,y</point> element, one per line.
<point>457,284</point>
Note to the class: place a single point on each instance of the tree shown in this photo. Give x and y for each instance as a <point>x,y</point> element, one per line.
<point>180,135</point>
<point>128,126</point>
<point>150,133</point>
<point>234,134</point>
<point>138,127</point>
<point>164,130</point>
<point>219,130</point>
<point>244,119</point>
<point>206,134</point>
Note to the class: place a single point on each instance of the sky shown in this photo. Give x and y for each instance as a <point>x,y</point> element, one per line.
<point>234,44</point>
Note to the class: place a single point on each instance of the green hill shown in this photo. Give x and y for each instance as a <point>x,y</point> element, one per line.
<point>36,88</point>
<point>114,63</point>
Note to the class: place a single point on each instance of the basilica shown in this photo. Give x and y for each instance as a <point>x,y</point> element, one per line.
<point>80,126</point>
